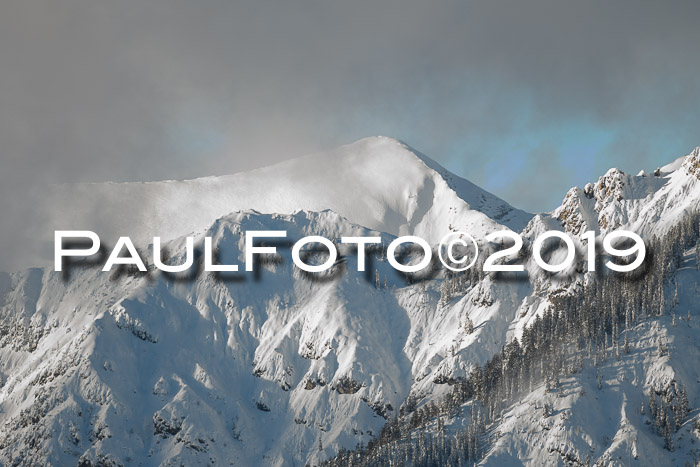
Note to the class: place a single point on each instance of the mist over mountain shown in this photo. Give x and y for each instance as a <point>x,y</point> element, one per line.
<point>127,368</point>
<point>376,182</point>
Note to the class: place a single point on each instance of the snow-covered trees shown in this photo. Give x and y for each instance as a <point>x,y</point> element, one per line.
<point>668,407</point>
<point>588,325</point>
<point>468,325</point>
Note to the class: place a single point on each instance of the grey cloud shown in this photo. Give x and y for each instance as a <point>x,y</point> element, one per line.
<point>138,90</point>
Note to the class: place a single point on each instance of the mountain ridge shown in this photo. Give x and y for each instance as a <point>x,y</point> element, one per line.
<point>282,368</point>
<point>378,182</point>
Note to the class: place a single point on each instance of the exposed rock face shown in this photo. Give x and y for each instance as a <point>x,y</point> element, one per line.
<point>692,163</point>
<point>347,385</point>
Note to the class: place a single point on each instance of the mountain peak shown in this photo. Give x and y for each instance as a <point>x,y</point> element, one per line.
<point>691,163</point>
<point>643,203</point>
<point>377,182</point>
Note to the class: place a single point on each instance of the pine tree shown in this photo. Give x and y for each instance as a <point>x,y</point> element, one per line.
<point>662,303</point>
<point>662,348</point>
<point>445,294</point>
<point>684,405</point>
<point>668,432</point>
<point>676,301</point>
<point>653,408</point>
<point>468,325</point>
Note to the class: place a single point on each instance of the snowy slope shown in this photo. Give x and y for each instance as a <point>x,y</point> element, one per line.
<point>279,368</point>
<point>646,204</point>
<point>606,425</point>
<point>271,365</point>
<point>609,423</point>
<point>598,413</point>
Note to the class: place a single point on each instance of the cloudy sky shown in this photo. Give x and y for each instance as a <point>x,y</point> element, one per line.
<point>525,98</point>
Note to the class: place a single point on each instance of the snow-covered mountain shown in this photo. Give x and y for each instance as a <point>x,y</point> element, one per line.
<point>645,203</point>
<point>282,368</point>
<point>377,182</point>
